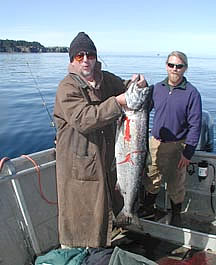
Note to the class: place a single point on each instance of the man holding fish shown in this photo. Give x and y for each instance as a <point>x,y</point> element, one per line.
<point>88,103</point>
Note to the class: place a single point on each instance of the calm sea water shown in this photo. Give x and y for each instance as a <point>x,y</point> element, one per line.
<point>25,126</point>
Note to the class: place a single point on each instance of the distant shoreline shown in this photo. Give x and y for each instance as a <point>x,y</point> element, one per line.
<point>21,46</point>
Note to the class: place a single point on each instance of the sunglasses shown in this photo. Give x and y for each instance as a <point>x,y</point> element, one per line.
<point>80,56</point>
<point>178,66</point>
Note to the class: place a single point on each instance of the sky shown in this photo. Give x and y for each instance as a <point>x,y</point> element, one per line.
<point>121,26</point>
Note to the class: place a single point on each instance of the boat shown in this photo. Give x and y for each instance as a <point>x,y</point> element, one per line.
<point>28,206</point>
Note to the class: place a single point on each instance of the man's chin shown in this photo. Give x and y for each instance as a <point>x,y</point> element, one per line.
<point>175,78</point>
<point>86,74</point>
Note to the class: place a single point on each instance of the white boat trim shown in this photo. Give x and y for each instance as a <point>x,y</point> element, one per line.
<point>183,236</point>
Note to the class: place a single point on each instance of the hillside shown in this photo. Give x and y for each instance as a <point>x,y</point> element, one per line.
<point>27,47</point>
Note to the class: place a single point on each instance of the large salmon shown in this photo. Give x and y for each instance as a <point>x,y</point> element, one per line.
<point>131,147</point>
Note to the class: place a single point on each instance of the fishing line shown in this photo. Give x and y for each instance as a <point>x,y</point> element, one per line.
<point>42,98</point>
<point>102,61</point>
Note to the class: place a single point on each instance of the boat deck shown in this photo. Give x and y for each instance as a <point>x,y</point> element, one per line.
<point>28,220</point>
<point>150,247</point>
<point>190,220</point>
<point>161,251</point>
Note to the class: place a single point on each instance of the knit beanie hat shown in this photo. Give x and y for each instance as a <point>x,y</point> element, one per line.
<point>81,42</point>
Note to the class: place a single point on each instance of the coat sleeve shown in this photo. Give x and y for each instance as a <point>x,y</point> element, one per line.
<point>72,108</point>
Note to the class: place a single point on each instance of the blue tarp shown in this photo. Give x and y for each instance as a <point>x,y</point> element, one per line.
<point>72,256</point>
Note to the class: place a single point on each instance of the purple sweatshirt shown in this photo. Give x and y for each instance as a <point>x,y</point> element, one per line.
<point>178,114</point>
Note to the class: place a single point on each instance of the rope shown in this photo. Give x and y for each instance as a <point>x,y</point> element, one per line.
<point>39,179</point>
<point>2,162</point>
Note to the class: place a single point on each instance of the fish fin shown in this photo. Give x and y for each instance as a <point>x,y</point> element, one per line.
<point>122,220</point>
<point>117,187</point>
<point>121,120</point>
<point>113,165</point>
<point>136,221</point>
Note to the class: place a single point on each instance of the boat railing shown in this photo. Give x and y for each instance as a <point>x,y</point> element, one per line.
<point>28,205</point>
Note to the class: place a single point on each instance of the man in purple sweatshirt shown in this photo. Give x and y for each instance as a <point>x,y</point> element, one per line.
<point>175,135</point>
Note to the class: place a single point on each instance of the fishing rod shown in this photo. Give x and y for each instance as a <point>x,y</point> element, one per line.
<point>102,61</point>
<point>42,98</point>
<point>41,95</point>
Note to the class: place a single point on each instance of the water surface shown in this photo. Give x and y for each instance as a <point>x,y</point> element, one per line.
<point>25,123</point>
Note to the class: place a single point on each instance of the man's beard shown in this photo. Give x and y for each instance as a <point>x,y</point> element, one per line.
<point>175,78</point>
<point>87,74</point>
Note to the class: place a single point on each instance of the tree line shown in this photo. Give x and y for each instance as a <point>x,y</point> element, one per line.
<point>26,46</point>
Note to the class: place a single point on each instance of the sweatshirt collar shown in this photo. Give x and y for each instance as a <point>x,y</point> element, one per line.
<point>182,85</point>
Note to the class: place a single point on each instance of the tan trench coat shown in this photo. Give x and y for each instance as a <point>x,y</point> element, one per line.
<point>85,119</point>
